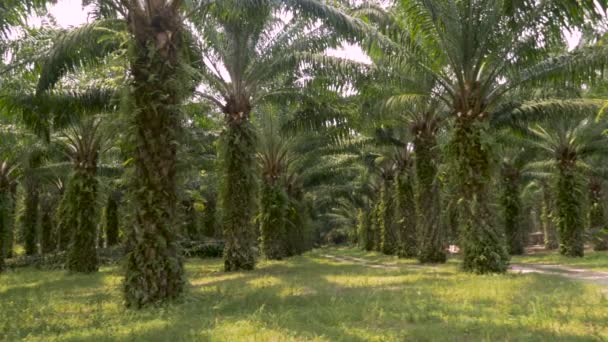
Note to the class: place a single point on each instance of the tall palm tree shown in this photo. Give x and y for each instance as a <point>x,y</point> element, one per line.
<point>567,144</point>
<point>274,159</point>
<point>477,51</point>
<point>84,142</point>
<point>154,270</point>
<point>513,162</point>
<point>597,210</point>
<point>7,177</point>
<point>248,60</point>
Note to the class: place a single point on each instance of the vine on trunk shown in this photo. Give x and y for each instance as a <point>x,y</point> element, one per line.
<point>482,243</point>
<point>238,195</point>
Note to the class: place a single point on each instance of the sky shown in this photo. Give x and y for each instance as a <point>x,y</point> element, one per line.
<point>70,13</point>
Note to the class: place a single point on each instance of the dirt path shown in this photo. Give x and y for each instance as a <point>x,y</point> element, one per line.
<point>599,278</point>
<point>596,277</point>
<point>371,264</point>
<point>360,261</point>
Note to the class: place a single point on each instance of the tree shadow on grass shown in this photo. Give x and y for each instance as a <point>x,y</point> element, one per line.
<point>305,297</point>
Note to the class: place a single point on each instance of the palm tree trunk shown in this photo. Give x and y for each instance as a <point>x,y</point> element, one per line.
<point>546,215</point>
<point>4,221</point>
<point>597,217</point>
<point>430,233</point>
<point>511,205</point>
<point>238,192</point>
<point>482,243</point>
<point>388,232</point>
<point>569,214</point>
<point>29,218</point>
<point>47,228</point>
<point>377,221</point>
<point>11,215</point>
<point>273,227</point>
<point>82,196</point>
<point>154,269</point>
<point>406,214</point>
<point>111,216</point>
<point>64,223</point>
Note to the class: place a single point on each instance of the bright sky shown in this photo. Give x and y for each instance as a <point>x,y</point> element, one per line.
<point>70,13</point>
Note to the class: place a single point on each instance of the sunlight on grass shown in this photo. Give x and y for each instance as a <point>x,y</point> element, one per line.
<point>307,298</point>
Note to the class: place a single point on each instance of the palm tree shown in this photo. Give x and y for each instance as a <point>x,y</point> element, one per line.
<point>477,51</point>
<point>568,144</point>
<point>274,160</point>
<point>111,218</point>
<point>158,86</point>
<point>597,210</point>
<point>513,161</point>
<point>247,62</point>
<point>83,143</point>
<point>7,177</point>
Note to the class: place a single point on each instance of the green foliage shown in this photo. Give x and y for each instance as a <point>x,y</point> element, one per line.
<point>159,84</point>
<point>237,196</point>
<point>569,207</point>
<point>111,220</point>
<point>364,229</point>
<point>28,218</point>
<point>47,225</point>
<point>482,243</point>
<point>298,229</point>
<point>310,298</point>
<point>510,201</point>
<point>430,234</point>
<point>4,223</point>
<point>190,219</point>
<point>65,223</point>
<point>386,220</point>
<point>406,214</point>
<point>547,218</point>
<point>273,225</point>
<point>81,199</point>
<point>597,214</point>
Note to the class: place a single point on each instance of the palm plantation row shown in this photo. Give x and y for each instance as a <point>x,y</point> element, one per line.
<point>228,119</point>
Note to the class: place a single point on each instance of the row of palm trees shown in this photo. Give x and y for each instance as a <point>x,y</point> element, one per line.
<point>453,70</point>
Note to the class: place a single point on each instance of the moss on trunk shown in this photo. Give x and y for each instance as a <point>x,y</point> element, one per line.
<point>82,198</point>
<point>482,243</point>
<point>430,234</point>
<point>569,213</point>
<point>47,228</point>
<point>597,215</point>
<point>546,217</point>
<point>29,217</point>
<point>154,267</point>
<point>272,218</point>
<point>238,193</point>
<point>64,224</point>
<point>406,214</point>
<point>4,222</point>
<point>388,232</point>
<point>111,221</point>
<point>511,206</point>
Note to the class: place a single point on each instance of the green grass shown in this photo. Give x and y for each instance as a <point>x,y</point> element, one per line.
<point>307,298</point>
<point>597,261</point>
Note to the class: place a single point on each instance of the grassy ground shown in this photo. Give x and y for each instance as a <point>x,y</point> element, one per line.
<point>597,261</point>
<point>308,298</point>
